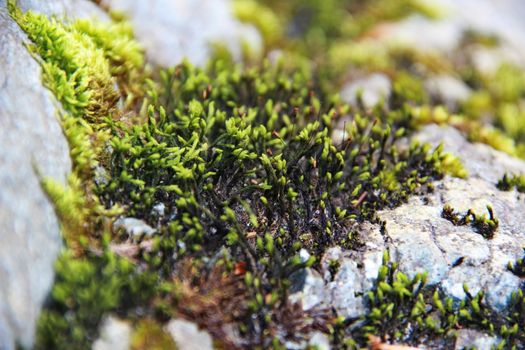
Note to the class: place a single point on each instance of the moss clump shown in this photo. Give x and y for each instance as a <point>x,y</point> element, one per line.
<point>85,289</point>
<point>81,63</point>
<point>404,310</point>
<point>485,226</point>
<point>518,267</point>
<point>73,68</point>
<point>149,335</point>
<point>509,182</point>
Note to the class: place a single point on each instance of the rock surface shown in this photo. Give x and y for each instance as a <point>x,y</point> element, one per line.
<point>420,240</point>
<point>171,30</point>
<point>64,8</point>
<point>187,335</point>
<point>31,143</point>
<point>115,334</point>
<point>468,338</point>
<point>372,90</point>
<point>459,16</point>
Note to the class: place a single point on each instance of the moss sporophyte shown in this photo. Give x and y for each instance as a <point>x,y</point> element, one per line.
<point>241,158</point>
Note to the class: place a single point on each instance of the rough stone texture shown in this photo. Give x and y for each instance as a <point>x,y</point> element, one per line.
<point>373,89</point>
<point>115,334</point>
<point>481,161</point>
<point>420,240</point>
<point>468,338</point>
<point>187,335</point>
<point>448,89</point>
<point>171,30</point>
<point>31,141</point>
<point>64,8</point>
<point>134,227</point>
<point>343,285</point>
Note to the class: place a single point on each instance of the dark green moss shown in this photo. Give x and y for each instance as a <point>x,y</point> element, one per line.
<point>508,182</point>
<point>485,226</point>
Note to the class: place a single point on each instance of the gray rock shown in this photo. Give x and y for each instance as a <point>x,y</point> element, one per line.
<point>171,30</point>
<point>187,335</point>
<point>448,89</point>
<point>374,88</point>
<point>424,34</point>
<point>31,142</point>
<point>421,240</point>
<point>344,282</point>
<point>67,9</point>
<point>319,341</point>
<point>481,161</point>
<point>468,338</point>
<point>134,227</point>
<point>444,35</point>
<point>115,334</point>
<point>309,289</point>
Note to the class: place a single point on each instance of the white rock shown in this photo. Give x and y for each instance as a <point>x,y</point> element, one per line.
<point>115,334</point>
<point>468,338</point>
<point>308,289</point>
<point>319,341</point>
<point>66,9</point>
<point>133,227</point>
<point>31,140</point>
<point>171,30</point>
<point>374,88</point>
<point>188,336</point>
<point>449,89</point>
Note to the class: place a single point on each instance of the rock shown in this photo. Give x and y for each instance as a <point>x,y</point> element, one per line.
<point>159,209</point>
<point>458,16</point>
<point>488,60</point>
<point>419,239</point>
<point>67,9</point>
<point>308,289</point>
<point>448,89</point>
<point>468,339</point>
<point>480,160</point>
<point>115,334</point>
<point>342,282</point>
<point>171,30</point>
<point>319,341</point>
<point>135,228</point>
<point>374,88</point>
<point>188,336</point>
<point>426,35</point>
<point>31,143</point>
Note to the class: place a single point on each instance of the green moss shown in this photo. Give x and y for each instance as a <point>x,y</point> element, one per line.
<point>485,226</point>
<point>73,68</point>
<point>407,311</point>
<point>243,162</point>
<point>85,289</point>
<point>149,335</point>
<point>509,182</point>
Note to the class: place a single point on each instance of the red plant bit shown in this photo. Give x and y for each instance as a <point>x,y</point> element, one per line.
<point>240,268</point>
